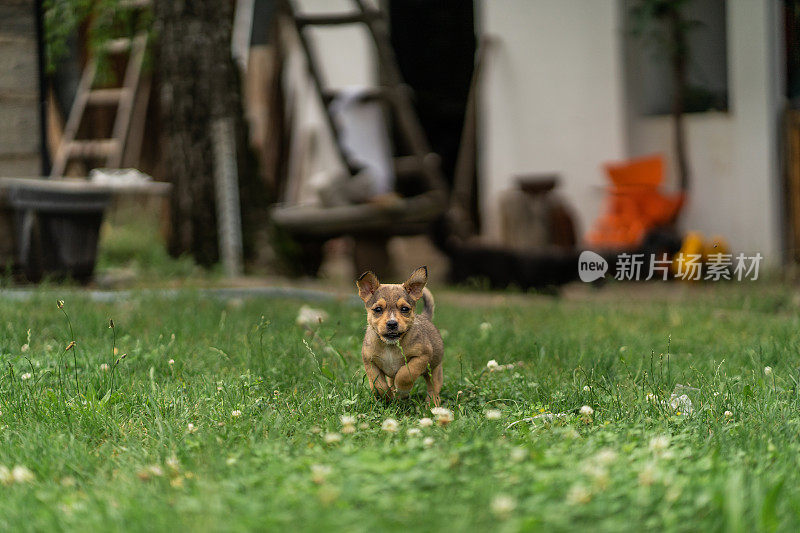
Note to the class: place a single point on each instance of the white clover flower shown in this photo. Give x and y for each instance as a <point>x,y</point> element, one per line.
<point>659,443</point>
<point>605,456</point>
<point>331,438</point>
<point>308,316</point>
<point>443,415</point>
<point>425,422</point>
<point>171,362</point>
<point>647,476</point>
<point>587,388</point>
<point>518,454</point>
<point>21,474</point>
<point>768,370</point>
<point>26,376</point>
<point>347,420</point>
<point>236,413</point>
<point>414,432</point>
<point>493,414</point>
<point>319,473</point>
<point>190,428</point>
<point>104,367</point>
<point>25,347</point>
<point>428,442</point>
<point>587,411</point>
<point>492,365</point>
<point>503,505</point>
<point>598,473</point>
<point>485,326</point>
<point>173,463</point>
<point>579,494</point>
<point>728,414</point>
<point>155,470</point>
<point>348,429</point>
<point>390,425</point>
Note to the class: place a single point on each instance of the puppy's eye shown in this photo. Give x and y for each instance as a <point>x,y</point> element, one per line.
<point>378,310</point>
<point>405,309</point>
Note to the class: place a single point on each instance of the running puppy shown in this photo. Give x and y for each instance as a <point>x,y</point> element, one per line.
<point>399,345</point>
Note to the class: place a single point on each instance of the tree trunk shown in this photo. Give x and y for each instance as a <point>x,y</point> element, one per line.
<point>198,84</point>
<point>678,63</point>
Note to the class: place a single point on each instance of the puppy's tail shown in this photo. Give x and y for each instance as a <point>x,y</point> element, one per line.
<point>427,301</point>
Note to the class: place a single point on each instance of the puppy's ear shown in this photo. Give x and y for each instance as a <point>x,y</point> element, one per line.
<point>416,282</point>
<point>367,285</point>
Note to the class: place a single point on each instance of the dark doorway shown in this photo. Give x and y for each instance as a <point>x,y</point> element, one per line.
<point>792,51</point>
<point>434,41</point>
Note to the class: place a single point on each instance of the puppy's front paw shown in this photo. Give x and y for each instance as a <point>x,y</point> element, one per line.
<point>387,395</point>
<point>402,394</point>
<point>434,400</point>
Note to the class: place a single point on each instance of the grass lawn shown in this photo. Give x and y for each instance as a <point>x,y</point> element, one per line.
<point>220,417</point>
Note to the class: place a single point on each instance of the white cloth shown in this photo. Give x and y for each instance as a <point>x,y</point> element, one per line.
<point>364,135</point>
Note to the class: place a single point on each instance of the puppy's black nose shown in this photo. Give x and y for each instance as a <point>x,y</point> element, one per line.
<point>391,325</point>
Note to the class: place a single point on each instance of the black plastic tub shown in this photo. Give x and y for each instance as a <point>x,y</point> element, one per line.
<point>57,230</point>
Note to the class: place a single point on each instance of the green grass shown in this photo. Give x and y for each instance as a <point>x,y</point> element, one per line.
<point>132,249</point>
<point>126,460</point>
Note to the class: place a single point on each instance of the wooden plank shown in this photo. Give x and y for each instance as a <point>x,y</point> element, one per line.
<point>75,116</point>
<point>93,149</point>
<point>132,150</point>
<point>156,188</point>
<point>364,218</point>
<point>125,110</point>
<point>118,46</point>
<point>332,19</point>
<point>106,96</point>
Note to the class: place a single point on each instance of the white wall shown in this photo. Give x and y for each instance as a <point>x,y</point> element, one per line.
<point>552,99</point>
<point>734,155</point>
<point>345,57</point>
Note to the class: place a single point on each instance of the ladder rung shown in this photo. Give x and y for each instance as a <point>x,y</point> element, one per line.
<point>106,96</point>
<point>134,4</point>
<point>407,164</point>
<point>411,164</point>
<point>117,46</point>
<point>93,149</point>
<point>373,93</point>
<point>334,19</point>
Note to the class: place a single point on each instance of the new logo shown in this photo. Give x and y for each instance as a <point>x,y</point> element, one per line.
<point>591,266</point>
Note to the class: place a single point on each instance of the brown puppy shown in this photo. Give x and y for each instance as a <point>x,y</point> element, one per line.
<point>399,345</point>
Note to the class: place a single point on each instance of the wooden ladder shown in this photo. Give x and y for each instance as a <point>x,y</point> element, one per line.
<point>112,150</point>
<point>393,91</point>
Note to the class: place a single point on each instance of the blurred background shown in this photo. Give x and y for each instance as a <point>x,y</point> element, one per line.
<point>491,140</point>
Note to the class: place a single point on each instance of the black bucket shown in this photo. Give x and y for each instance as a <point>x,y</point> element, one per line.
<point>57,231</point>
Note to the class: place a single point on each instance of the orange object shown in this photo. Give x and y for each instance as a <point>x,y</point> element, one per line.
<point>634,204</point>
<point>688,261</point>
